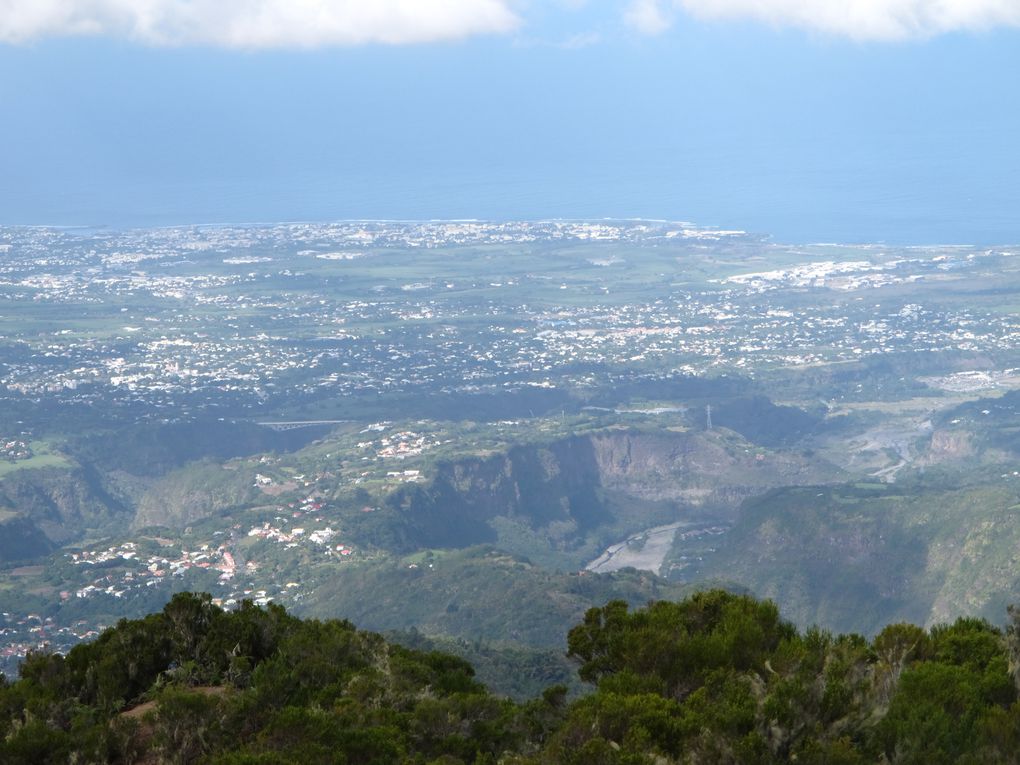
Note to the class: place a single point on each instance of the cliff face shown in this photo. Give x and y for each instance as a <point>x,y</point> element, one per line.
<point>198,491</point>
<point>948,445</point>
<point>568,496</point>
<point>537,485</point>
<point>139,476</point>
<point>620,479</point>
<point>56,506</point>
<point>61,503</point>
<point>858,556</point>
<point>697,468</point>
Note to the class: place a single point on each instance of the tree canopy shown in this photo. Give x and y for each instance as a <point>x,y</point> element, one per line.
<point>715,678</point>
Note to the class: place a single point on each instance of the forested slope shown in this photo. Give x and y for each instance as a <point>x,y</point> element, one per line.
<point>716,678</point>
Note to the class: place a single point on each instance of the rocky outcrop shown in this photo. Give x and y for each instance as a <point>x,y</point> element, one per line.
<point>62,503</point>
<point>198,491</point>
<point>949,446</point>
<point>697,468</point>
<point>577,484</point>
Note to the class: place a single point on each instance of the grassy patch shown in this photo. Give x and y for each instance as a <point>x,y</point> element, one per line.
<point>42,457</point>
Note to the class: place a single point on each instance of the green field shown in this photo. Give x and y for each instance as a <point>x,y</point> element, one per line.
<point>43,456</point>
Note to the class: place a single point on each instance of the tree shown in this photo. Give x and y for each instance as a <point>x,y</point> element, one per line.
<point>679,644</point>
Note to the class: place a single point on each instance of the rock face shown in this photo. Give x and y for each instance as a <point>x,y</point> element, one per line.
<point>198,491</point>
<point>573,495</point>
<point>618,479</point>
<point>696,468</point>
<point>61,503</point>
<point>138,476</point>
<point>948,446</point>
<point>857,556</point>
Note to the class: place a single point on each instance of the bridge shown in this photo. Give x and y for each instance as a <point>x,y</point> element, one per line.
<point>293,424</point>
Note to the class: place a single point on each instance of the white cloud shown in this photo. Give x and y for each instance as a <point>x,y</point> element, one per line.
<point>647,16</point>
<point>858,19</point>
<point>256,23</point>
<point>581,40</point>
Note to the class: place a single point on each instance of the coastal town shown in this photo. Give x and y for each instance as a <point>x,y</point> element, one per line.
<point>128,316</point>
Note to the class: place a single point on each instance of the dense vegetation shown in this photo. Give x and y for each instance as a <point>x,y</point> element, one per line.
<point>857,556</point>
<point>716,678</point>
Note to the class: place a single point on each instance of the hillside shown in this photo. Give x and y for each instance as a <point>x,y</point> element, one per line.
<point>717,678</point>
<point>457,529</point>
<point>561,502</point>
<point>60,504</point>
<point>857,556</point>
<point>453,594</point>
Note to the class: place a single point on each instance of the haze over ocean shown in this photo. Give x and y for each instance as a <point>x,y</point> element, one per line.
<point>797,134</point>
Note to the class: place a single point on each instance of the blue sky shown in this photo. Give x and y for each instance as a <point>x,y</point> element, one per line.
<point>899,121</point>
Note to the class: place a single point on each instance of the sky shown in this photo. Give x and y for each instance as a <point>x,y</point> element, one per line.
<point>807,120</point>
